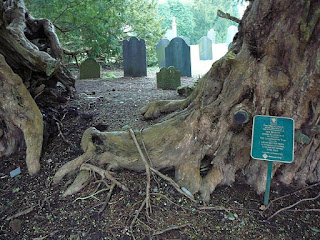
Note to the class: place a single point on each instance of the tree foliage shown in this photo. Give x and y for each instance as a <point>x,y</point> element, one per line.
<point>182,12</point>
<point>100,25</point>
<point>205,17</point>
<point>195,19</point>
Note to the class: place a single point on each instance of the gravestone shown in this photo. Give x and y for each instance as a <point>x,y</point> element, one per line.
<point>168,78</point>
<point>212,35</point>
<point>178,55</point>
<point>160,50</point>
<point>186,39</point>
<point>205,48</point>
<point>231,31</point>
<point>89,69</point>
<point>134,57</point>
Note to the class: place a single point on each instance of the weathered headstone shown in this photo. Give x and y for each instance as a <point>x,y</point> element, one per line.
<point>160,50</point>
<point>212,35</point>
<point>134,57</point>
<point>168,78</point>
<point>178,55</point>
<point>231,31</point>
<point>89,69</point>
<point>205,48</point>
<point>186,39</point>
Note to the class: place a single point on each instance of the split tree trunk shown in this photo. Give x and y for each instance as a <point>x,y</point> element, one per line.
<point>30,65</point>
<point>272,68</point>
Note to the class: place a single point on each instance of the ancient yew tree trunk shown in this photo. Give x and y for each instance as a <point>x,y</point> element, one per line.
<point>30,67</point>
<point>272,68</point>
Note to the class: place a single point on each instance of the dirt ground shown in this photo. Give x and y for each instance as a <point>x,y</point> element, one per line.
<point>109,104</point>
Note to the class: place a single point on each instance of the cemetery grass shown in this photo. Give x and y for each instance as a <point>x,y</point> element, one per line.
<point>109,104</point>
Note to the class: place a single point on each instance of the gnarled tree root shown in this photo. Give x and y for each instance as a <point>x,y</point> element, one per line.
<point>17,107</point>
<point>118,150</point>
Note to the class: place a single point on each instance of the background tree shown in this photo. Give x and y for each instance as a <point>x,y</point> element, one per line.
<point>101,25</point>
<point>195,18</point>
<point>182,12</point>
<point>272,68</point>
<point>205,17</point>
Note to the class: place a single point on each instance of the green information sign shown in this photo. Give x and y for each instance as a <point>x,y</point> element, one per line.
<point>272,139</point>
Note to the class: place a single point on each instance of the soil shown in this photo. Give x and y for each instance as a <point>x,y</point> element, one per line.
<point>109,104</point>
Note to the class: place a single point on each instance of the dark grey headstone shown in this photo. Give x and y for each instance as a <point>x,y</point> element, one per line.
<point>160,49</point>
<point>212,35</point>
<point>205,48</point>
<point>134,57</point>
<point>186,39</point>
<point>178,55</point>
<point>89,69</point>
<point>168,78</point>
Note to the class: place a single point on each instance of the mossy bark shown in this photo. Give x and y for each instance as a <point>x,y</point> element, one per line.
<point>26,67</point>
<point>272,68</point>
<point>18,108</point>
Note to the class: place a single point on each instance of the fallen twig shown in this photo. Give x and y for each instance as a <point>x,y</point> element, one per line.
<point>136,216</point>
<point>292,205</point>
<point>164,196</point>
<point>170,229</point>
<point>91,195</point>
<point>24,212</point>
<point>108,198</point>
<point>173,183</point>
<point>221,208</point>
<point>61,134</point>
<point>289,194</point>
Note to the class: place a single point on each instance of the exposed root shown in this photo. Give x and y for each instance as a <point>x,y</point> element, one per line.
<point>147,166</point>
<point>155,109</point>
<point>24,212</point>
<point>103,174</point>
<point>71,166</point>
<point>211,180</point>
<point>79,183</point>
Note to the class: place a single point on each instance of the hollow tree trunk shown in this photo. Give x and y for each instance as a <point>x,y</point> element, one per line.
<point>30,65</point>
<point>272,68</point>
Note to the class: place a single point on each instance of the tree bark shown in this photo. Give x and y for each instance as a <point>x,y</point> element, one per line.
<point>30,55</point>
<point>272,68</point>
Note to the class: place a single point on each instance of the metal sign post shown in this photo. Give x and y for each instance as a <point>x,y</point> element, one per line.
<point>272,140</point>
